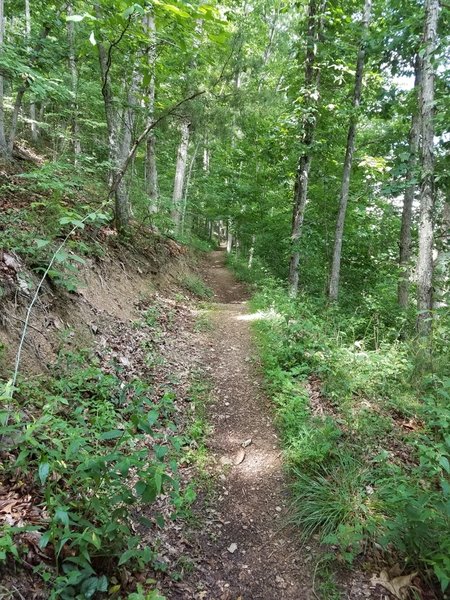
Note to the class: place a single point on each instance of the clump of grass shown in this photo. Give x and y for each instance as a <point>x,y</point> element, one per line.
<point>332,495</point>
<point>196,286</point>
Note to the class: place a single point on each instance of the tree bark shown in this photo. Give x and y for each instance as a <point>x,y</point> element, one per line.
<point>121,207</point>
<point>312,77</point>
<point>410,191</point>
<point>252,252</point>
<point>15,116</point>
<point>33,126</point>
<point>76,144</point>
<point>3,143</point>
<point>229,236</point>
<point>186,190</point>
<point>180,171</point>
<point>151,172</point>
<point>333,288</point>
<point>425,258</point>
<point>441,264</point>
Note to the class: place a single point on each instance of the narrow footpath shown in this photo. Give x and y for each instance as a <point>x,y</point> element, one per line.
<point>249,551</point>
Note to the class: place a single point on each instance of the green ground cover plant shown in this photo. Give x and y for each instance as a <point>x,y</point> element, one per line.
<point>93,452</point>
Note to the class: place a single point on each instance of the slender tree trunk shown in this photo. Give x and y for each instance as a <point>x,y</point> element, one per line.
<point>312,78</point>
<point>351,136</point>
<point>441,264</point>
<point>229,236</point>
<point>425,258</point>
<point>410,191</point>
<point>180,171</point>
<point>15,117</point>
<point>268,50</point>
<point>3,143</point>
<point>252,252</point>
<point>121,206</point>
<point>151,172</point>
<point>186,189</point>
<point>74,82</point>
<point>34,132</point>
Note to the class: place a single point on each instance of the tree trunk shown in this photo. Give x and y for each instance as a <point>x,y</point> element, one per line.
<point>180,171</point>
<point>151,172</point>
<point>15,117</point>
<point>441,264</point>
<point>410,191</point>
<point>425,258</point>
<point>337,251</point>
<point>121,207</point>
<point>34,132</point>
<point>3,143</point>
<point>312,77</point>
<point>252,252</point>
<point>186,190</point>
<point>229,236</point>
<point>74,82</point>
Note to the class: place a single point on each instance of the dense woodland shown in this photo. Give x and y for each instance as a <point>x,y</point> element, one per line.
<point>311,138</point>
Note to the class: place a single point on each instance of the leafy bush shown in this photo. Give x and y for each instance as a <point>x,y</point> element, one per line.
<point>91,450</point>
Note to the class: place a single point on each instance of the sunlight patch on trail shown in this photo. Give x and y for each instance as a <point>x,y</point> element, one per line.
<point>260,315</point>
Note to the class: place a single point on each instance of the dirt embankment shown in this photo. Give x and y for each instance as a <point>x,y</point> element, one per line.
<point>108,289</point>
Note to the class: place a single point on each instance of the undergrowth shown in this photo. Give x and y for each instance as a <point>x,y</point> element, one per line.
<point>369,446</point>
<point>92,453</point>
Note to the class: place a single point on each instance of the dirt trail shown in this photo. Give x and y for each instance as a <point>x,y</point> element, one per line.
<point>251,554</point>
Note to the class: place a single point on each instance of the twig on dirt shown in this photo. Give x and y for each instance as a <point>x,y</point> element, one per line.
<point>17,592</point>
<point>29,324</point>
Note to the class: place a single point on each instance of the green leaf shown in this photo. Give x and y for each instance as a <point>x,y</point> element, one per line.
<point>89,587</point>
<point>152,417</point>
<point>78,18</point>
<point>158,481</point>
<point>75,18</point>
<point>62,515</point>
<point>443,461</point>
<point>125,557</point>
<point>44,539</point>
<point>161,451</point>
<point>44,470</point>
<point>147,491</point>
<point>175,10</point>
<point>61,256</point>
<point>41,243</point>
<point>112,435</point>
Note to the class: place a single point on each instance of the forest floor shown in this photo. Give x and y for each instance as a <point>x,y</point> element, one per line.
<point>248,551</point>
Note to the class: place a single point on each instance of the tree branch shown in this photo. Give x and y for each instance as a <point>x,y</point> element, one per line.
<point>120,175</point>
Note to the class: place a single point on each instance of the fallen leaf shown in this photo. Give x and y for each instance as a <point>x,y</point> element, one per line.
<point>239,457</point>
<point>398,586</point>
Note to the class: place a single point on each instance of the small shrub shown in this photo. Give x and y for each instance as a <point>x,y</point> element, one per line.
<point>196,286</point>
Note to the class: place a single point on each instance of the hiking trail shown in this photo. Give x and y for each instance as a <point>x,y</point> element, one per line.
<point>248,550</point>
